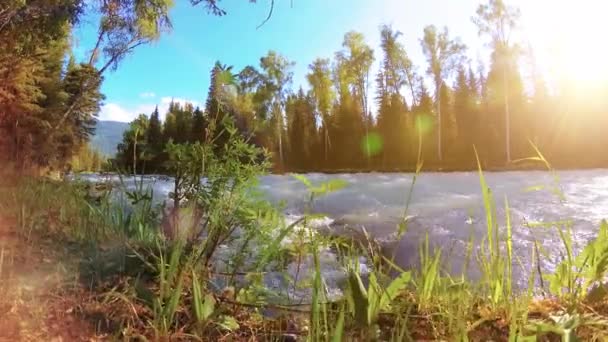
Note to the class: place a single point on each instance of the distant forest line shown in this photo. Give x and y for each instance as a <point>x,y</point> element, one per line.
<point>331,127</point>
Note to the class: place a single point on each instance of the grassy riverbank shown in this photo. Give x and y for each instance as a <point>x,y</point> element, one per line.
<point>129,281</point>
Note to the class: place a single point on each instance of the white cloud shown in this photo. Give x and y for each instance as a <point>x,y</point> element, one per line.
<point>115,112</point>
<point>146,95</point>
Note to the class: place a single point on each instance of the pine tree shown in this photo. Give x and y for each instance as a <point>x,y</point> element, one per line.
<point>395,71</point>
<point>217,109</point>
<point>82,85</point>
<point>466,115</point>
<point>449,129</point>
<point>169,128</point>
<point>301,131</point>
<point>199,126</point>
<point>183,123</point>
<point>505,100</point>
<point>155,134</point>
<point>155,139</point>
<point>349,129</point>
<point>423,124</point>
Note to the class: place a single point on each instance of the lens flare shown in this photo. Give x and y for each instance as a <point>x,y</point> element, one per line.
<point>424,123</point>
<point>372,144</point>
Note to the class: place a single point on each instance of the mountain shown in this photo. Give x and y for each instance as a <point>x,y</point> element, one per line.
<point>108,134</point>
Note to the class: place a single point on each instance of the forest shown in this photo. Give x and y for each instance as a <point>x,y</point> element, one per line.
<point>436,113</point>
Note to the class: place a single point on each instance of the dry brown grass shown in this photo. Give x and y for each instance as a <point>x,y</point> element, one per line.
<point>39,298</point>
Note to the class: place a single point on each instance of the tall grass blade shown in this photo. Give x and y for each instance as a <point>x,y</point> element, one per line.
<point>509,249</point>
<point>339,329</point>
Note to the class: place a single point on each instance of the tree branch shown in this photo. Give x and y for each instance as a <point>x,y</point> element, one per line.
<point>269,15</point>
<point>102,31</point>
<point>122,53</point>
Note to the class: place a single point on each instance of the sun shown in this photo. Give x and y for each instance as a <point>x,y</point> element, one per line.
<point>583,54</point>
<point>570,38</point>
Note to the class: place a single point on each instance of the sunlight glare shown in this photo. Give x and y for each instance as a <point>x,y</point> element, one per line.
<point>572,35</point>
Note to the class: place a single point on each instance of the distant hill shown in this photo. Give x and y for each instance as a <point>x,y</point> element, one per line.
<point>108,134</point>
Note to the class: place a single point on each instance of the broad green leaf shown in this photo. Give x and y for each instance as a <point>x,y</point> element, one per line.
<point>359,297</point>
<point>208,306</point>
<point>393,289</point>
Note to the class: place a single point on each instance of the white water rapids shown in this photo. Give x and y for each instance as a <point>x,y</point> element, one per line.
<point>447,206</point>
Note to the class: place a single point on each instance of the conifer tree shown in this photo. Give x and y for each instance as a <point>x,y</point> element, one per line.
<point>319,78</point>
<point>392,109</point>
<point>199,125</point>
<point>217,108</point>
<point>301,131</point>
<point>156,143</point>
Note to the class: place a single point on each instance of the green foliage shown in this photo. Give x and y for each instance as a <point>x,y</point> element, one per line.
<point>582,275</point>
<point>443,56</point>
<point>302,131</point>
<point>368,303</point>
<point>56,107</point>
<point>204,306</point>
<point>88,160</point>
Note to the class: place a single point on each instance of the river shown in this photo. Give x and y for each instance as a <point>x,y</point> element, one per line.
<point>449,208</point>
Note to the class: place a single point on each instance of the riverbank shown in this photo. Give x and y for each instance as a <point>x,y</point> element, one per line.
<point>41,298</point>
<point>117,282</point>
<point>519,166</point>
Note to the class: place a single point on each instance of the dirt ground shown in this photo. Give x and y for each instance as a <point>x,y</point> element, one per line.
<point>41,298</point>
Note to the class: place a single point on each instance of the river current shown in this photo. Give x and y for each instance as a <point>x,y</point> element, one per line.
<point>446,206</point>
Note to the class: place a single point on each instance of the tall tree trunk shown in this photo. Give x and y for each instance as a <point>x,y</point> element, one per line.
<point>280,134</point>
<point>364,105</point>
<point>134,158</point>
<point>438,95</point>
<point>135,155</point>
<point>326,144</point>
<point>507,115</point>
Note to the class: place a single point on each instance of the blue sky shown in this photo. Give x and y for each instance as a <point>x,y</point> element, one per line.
<point>177,66</point>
